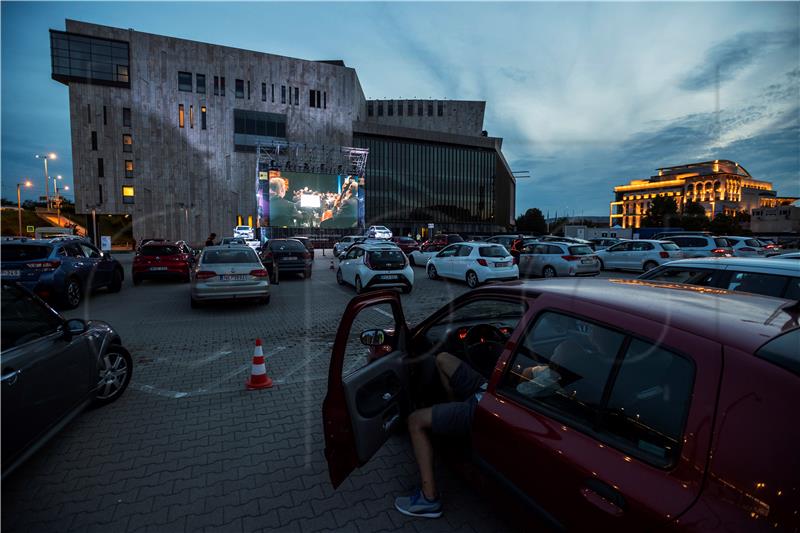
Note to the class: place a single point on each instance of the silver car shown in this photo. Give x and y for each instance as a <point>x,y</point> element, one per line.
<point>229,272</point>
<point>551,259</point>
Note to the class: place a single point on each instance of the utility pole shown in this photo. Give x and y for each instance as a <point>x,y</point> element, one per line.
<point>45,157</point>
<point>19,204</point>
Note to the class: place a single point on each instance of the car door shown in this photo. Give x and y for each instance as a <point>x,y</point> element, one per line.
<point>367,385</point>
<point>444,260</point>
<point>615,256</point>
<point>461,261</point>
<point>619,439</point>
<point>100,262</point>
<point>350,265</point>
<point>527,260</point>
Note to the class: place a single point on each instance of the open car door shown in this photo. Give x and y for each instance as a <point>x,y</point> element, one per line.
<point>367,382</point>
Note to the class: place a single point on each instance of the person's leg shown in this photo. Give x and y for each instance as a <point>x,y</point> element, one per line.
<point>446,365</point>
<point>419,424</point>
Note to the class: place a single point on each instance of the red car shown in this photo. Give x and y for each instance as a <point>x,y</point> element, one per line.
<point>441,240</point>
<point>655,404</point>
<point>161,259</point>
<point>406,244</point>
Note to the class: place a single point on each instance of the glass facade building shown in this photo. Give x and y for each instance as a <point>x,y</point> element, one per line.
<point>411,184</point>
<point>89,59</point>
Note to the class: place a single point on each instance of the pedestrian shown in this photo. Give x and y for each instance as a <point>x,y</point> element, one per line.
<point>210,240</point>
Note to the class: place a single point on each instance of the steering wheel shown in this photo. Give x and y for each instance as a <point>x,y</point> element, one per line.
<point>483,344</point>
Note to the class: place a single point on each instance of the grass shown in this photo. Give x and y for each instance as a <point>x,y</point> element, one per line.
<point>9,222</point>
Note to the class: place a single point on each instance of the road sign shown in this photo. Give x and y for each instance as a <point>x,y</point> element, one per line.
<point>430,225</point>
<point>105,243</point>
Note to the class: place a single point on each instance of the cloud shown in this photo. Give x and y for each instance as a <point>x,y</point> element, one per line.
<point>735,54</point>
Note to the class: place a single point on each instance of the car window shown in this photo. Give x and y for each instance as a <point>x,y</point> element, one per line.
<point>22,252</point>
<point>793,289</point>
<point>450,251</point>
<point>387,259</point>
<point>73,250</point>
<point>679,275</point>
<point>581,249</point>
<point>24,318</point>
<point>351,254</point>
<point>649,401</point>
<point>156,250</point>
<point>766,284</point>
<point>464,251</point>
<point>357,355</point>
<point>90,251</point>
<point>554,250</point>
<point>669,246</point>
<point>242,256</point>
<point>563,364</point>
<point>642,246</point>
<point>621,247</point>
<point>782,351</point>
<point>752,242</point>
<point>283,245</point>
<point>719,241</point>
<point>492,251</point>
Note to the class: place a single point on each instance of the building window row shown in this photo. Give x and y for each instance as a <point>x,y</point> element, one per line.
<point>182,116</point>
<point>390,109</point>
<point>317,98</point>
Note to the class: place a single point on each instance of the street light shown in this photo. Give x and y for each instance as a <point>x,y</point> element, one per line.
<point>45,157</point>
<point>57,199</point>
<point>27,184</point>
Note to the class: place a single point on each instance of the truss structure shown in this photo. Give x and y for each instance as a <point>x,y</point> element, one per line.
<point>314,158</point>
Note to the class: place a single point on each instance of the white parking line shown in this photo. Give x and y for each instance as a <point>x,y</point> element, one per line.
<point>385,313</point>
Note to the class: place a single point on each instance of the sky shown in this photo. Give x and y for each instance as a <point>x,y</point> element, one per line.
<point>585,95</point>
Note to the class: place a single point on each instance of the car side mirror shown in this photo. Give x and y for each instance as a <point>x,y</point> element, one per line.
<point>75,326</point>
<point>373,337</point>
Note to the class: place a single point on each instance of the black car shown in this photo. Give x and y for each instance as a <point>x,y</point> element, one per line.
<point>307,243</point>
<point>285,255</point>
<point>52,368</point>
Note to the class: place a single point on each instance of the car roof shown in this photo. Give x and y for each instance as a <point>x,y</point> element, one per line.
<point>227,247</point>
<point>737,319</point>
<point>161,243</point>
<point>378,246</point>
<point>756,263</point>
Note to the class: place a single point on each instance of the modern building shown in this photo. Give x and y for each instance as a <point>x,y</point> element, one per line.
<point>173,133</point>
<point>720,186</point>
<point>780,219</point>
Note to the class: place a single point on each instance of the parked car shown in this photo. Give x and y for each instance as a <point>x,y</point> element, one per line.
<point>770,277</point>
<point>790,255</point>
<point>556,238</point>
<point>146,241</point>
<point>369,266</point>
<point>406,244</point>
<point>282,256</point>
<point>229,272</point>
<point>233,240</point>
<point>603,243</point>
<point>245,232</point>
<point>506,240</point>
<point>307,243</point>
<point>702,245</point>
<point>638,255</point>
<point>667,234</point>
<point>378,232</point>
<point>442,239</point>
<point>473,262</point>
<point>551,259</point>
<point>255,244</point>
<point>664,406</point>
<point>746,246</point>
<point>426,251</point>
<point>345,243</point>
<point>53,368</point>
<point>162,260</point>
<point>61,272</point>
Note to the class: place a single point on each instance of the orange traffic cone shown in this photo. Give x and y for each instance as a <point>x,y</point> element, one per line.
<point>258,374</point>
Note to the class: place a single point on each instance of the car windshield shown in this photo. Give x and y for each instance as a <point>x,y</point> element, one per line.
<point>23,252</point>
<point>243,228</point>
<point>581,249</point>
<point>286,244</point>
<point>493,251</point>
<point>670,246</point>
<point>160,250</point>
<point>719,241</point>
<point>229,256</point>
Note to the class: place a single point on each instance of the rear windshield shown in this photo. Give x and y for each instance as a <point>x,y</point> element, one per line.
<point>229,256</point>
<point>752,242</point>
<point>493,251</point>
<point>581,250</point>
<point>381,228</point>
<point>387,257</point>
<point>281,245</point>
<point>243,227</point>
<point>21,252</point>
<point>671,246</point>
<point>719,241</point>
<point>160,250</point>
<point>228,240</point>
<point>405,239</point>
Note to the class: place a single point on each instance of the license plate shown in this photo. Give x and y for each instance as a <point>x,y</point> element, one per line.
<point>502,264</point>
<point>233,277</point>
<point>587,261</point>
<point>389,276</point>
<point>10,273</point>
<point>289,258</point>
<point>158,268</point>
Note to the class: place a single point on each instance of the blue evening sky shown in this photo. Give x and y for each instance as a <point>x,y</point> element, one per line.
<point>586,95</point>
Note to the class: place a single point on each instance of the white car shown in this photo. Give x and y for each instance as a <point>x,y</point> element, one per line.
<point>230,272</point>
<point>245,232</point>
<point>473,262</point>
<point>746,246</point>
<point>379,232</point>
<point>369,266</point>
<point>345,243</point>
<point>640,255</point>
<point>551,259</point>
<point>253,243</point>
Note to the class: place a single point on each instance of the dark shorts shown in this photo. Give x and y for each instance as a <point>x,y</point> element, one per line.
<point>455,418</point>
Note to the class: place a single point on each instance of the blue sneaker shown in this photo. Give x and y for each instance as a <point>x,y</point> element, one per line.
<point>418,505</point>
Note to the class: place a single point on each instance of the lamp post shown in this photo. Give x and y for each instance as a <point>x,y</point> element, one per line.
<point>45,157</point>
<point>19,203</point>
<point>57,198</point>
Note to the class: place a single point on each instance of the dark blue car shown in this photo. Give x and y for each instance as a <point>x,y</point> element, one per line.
<point>60,271</point>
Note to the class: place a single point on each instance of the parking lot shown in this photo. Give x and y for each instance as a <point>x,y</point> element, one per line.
<point>188,448</point>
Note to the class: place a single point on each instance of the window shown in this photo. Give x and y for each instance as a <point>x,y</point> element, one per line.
<point>180,115</point>
<point>283,94</point>
<point>430,109</point>
<point>465,251</point>
<point>419,108</point>
<point>191,116</point>
<point>128,168</point>
<point>380,109</point>
<point>390,109</point>
<point>94,140</point>
<point>410,109</point>
<point>312,97</point>
<point>263,92</point>
<point>90,251</point>
<point>99,194</point>
<point>222,86</point>
<point>439,109</point>
<point>766,284</point>
<point>127,194</point>
<point>782,351</point>
<point>450,251</point>
<point>296,96</point>
<point>680,275</point>
<point>201,83</point>
<point>370,109</point>
<point>126,117</point>
<point>641,246</point>
<point>216,85</point>
<point>248,89</point>
<point>324,99</point>
<point>93,59</point>
<point>105,115</point>
<point>256,123</point>
<point>127,142</point>
<point>89,112</point>
<point>185,81</point>
<point>203,117</point>
<point>239,88</point>
<point>400,109</point>
<point>101,173</point>
<point>25,319</point>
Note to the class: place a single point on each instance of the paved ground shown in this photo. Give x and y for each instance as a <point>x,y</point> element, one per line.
<point>187,448</point>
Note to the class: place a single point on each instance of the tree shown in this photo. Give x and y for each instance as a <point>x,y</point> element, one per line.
<point>660,213</point>
<point>532,222</point>
<point>694,217</point>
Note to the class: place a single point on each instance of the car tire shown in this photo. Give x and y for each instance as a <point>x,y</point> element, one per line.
<point>549,272</point>
<point>73,294</point>
<point>116,281</point>
<point>432,274</point>
<point>359,287</point>
<point>407,290</point>
<point>115,368</point>
<point>339,278</point>
<point>195,304</point>
<point>472,280</point>
<point>649,265</point>
<point>602,265</point>
<point>137,280</point>
<point>307,273</point>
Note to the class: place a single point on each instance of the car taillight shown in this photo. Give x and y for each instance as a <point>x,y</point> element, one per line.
<point>570,257</point>
<point>205,274</point>
<point>718,251</point>
<point>747,249</point>
<point>482,262</point>
<point>259,273</point>
<point>45,266</point>
<point>665,255</point>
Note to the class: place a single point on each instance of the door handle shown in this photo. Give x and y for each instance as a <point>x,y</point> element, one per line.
<point>604,497</point>
<point>389,423</point>
<point>10,376</point>
<point>386,396</point>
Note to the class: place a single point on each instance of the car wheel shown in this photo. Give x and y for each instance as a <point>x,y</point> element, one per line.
<point>359,287</point>
<point>307,273</point>
<point>137,280</point>
<point>116,281</point>
<point>649,265</point>
<point>472,280</point>
<point>114,371</point>
<point>432,272</point>
<point>73,294</point>
<point>549,272</point>
<point>602,266</point>
<point>339,278</point>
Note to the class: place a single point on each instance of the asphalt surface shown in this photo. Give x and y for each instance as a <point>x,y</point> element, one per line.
<point>187,448</point>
